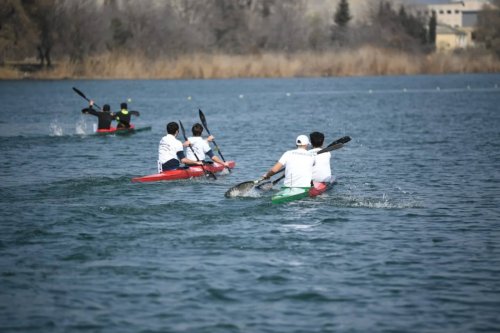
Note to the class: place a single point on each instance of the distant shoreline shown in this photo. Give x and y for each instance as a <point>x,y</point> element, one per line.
<point>367,61</point>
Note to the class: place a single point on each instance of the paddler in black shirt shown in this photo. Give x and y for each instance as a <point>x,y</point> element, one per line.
<point>105,117</point>
<point>123,117</point>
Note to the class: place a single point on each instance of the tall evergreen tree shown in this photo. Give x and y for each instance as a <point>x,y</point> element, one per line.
<point>432,28</point>
<point>342,15</point>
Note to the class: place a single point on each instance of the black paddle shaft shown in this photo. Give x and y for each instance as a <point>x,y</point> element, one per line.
<point>85,97</point>
<point>207,173</point>
<point>204,122</point>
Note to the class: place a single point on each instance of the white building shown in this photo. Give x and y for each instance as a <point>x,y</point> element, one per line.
<point>457,14</point>
<point>456,21</point>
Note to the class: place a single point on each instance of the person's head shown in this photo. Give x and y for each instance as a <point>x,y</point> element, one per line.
<point>106,108</point>
<point>317,139</point>
<point>172,128</point>
<point>302,141</point>
<point>123,106</point>
<point>197,129</point>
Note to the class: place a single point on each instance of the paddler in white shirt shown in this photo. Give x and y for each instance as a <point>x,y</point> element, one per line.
<point>322,172</point>
<point>201,146</point>
<point>171,150</point>
<point>298,165</point>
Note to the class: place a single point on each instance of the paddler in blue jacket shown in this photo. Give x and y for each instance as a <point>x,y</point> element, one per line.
<point>123,117</point>
<point>105,117</point>
<point>171,150</point>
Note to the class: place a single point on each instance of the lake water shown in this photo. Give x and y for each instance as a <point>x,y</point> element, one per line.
<point>406,241</point>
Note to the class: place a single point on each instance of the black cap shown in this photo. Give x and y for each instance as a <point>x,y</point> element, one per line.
<point>123,106</point>
<point>106,107</point>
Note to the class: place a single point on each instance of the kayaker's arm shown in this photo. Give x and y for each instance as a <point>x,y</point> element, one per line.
<point>135,113</point>
<point>90,110</point>
<point>274,170</point>
<point>216,159</point>
<point>187,161</point>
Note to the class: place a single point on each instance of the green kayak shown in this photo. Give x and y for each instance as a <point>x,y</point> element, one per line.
<point>287,194</point>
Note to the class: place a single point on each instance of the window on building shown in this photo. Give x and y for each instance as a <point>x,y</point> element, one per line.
<point>448,12</point>
<point>457,11</point>
<point>441,11</point>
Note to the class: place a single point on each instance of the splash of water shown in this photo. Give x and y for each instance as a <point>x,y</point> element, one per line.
<point>81,127</point>
<point>55,129</point>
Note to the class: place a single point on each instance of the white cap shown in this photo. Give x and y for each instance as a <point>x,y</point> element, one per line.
<point>302,140</point>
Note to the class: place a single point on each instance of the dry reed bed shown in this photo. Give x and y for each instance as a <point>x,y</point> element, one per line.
<point>364,61</point>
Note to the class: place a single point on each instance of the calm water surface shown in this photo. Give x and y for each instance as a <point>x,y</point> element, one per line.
<point>406,241</point>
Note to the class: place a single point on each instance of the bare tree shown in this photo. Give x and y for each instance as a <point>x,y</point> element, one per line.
<point>43,14</point>
<point>488,27</point>
<point>84,29</point>
<point>17,31</point>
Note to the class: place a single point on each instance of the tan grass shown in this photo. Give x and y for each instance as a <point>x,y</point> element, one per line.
<point>364,61</point>
<point>10,73</point>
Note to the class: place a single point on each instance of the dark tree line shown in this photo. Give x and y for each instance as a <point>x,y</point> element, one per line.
<point>51,29</point>
<point>399,29</point>
<point>488,28</point>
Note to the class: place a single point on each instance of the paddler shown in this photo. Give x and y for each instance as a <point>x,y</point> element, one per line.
<point>298,165</point>
<point>171,150</point>
<point>321,172</point>
<point>104,117</point>
<point>123,116</point>
<point>201,146</point>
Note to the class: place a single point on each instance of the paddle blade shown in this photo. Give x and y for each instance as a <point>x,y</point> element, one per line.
<point>79,93</point>
<point>240,189</point>
<point>209,174</point>
<point>203,120</point>
<point>345,139</point>
<point>335,144</point>
<point>342,140</point>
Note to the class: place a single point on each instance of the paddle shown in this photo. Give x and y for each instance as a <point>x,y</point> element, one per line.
<point>269,185</point>
<point>204,122</point>
<point>249,185</point>
<point>85,97</point>
<point>335,144</point>
<point>207,173</point>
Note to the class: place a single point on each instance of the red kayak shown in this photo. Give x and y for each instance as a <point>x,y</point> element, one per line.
<point>192,171</point>
<point>319,188</point>
<point>129,130</point>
